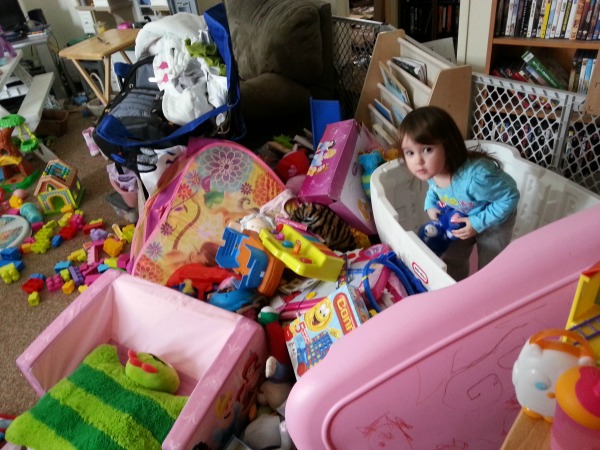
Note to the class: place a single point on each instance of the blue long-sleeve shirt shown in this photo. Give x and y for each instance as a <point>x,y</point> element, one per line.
<point>479,189</point>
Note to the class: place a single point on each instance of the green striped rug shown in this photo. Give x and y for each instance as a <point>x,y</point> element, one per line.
<point>97,406</point>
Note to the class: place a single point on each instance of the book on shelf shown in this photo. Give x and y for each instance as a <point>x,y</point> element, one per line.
<point>543,70</point>
<point>520,17</point>
<point>586,8</point>
<point>570,19</point>
<point>553,5</point>
<point>533,18</point>
<point>575,70</point>
<point>577,19</point>
<point>586,20</point>
<point>544,21</point>
<point>582,70</point>
<point>510,25</point>
<point>393,84</point>
<point>534,75</point>
<point>588,74</point>
<point>505,17</point>
<point>559,18</point>
<point>596,32</point>
<point>414,67</point>
<point>499,16</point>
<point>593,21</point>
<point>562,26</point>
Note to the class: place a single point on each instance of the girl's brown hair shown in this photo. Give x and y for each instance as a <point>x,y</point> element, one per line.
<point>433,125</point>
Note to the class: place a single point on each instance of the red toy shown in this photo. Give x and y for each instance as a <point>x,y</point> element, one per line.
<point>203,278</point>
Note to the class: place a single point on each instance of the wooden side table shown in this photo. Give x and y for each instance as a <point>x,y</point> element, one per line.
<point>101,48</point>
<point>528,434</point>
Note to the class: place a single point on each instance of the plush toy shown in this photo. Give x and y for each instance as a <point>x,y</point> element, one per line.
<point>369,162</point>
<point>437,234</point>
<point>151,372</point>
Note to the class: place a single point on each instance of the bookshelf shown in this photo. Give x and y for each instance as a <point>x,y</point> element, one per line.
<point>561,50</point>
<point>448,86</point>
<point>427,20</point>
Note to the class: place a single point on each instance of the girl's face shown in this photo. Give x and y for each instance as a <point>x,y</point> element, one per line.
<point>424,161</point>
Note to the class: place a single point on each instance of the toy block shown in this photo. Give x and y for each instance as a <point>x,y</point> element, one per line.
<point>65,275</point>
<point>19,264</point>
<point>81,289</point>
<point>56,241</point>
<point>66,209</point>
<point>26,248</point>
<point>10,254</point>
<point>68,287</point>
<point>54,283</point>
<point>40,247</point>
<point>34,298</point>
<point>44,233</point>
<point>103,268</point>
<point>33,285</point>
<point>76,276</point>
<point>94,224</point>
<point>67,232</point>
<point>9,273</point>
<point>113,247</point>
<point>15,202</point>
<point>77,221</point>
<point>62,265</point>
<point>89,268</point>
<point>89,280</point>
<point>51,224</point>
<point>111,262</point>
<point>41,276</point>
<point>123,261</point>
<point>35,226</point>
<point>64,220</point>
<point>78,255</point>
<point>29,240</point>
<point>98,234</point>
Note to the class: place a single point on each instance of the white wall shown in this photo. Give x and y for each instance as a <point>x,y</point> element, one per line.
<point>473,33</point>
<point>61,15</point>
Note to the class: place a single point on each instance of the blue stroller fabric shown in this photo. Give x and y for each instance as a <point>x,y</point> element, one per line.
<point>133,120</point>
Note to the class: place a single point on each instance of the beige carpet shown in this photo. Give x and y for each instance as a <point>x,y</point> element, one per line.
<point>21,323</point>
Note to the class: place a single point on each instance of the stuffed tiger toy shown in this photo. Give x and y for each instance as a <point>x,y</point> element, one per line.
<point>323,222</point>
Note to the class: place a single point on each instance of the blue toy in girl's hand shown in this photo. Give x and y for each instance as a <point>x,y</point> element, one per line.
<point>437,234</point>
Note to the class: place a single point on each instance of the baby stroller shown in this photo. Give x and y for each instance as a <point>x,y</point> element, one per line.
<point>133,128</point>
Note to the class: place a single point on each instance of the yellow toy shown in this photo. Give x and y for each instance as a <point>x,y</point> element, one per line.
<point>302,253</point>
<point>584,317</point>
<point>34,299</point>
<point>59,189</point>
<point>9,273</point>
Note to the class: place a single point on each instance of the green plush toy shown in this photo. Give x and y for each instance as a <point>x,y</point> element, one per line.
<point>151,372</point>
<point>104,405</point>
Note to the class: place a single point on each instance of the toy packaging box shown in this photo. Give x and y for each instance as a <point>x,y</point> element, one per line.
<point>334,176</point>
<point>310,336</point>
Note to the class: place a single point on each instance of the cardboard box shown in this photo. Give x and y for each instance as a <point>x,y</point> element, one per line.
<point>334,176</point>
<point>309,337</point>
<point>52,123</point>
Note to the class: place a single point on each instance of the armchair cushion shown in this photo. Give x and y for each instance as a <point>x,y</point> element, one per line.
<point>278,37</point>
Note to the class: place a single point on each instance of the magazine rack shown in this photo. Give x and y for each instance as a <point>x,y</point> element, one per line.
<point>448,85</point>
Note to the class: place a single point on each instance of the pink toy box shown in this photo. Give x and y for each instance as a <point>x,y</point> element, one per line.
<point>219,355</point>
<point>334,176</point>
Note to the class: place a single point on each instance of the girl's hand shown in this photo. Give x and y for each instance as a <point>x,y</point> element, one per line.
<point>433,213</point>
<point>465,232</point>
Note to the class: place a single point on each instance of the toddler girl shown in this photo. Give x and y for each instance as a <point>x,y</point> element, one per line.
<point>468,181</point>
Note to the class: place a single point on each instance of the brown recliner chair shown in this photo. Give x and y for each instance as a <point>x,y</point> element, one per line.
<point>284,53</point>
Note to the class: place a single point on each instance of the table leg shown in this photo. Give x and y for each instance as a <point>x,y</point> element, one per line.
<point>107,77</point>
<point>125,57</point>
<point>90,82</point>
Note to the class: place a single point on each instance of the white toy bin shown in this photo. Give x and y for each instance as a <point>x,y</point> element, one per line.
<point>397,200</point>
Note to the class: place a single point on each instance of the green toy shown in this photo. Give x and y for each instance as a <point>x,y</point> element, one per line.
<point>17,121</point>
<point>209,52</point>
<point>151,372</point>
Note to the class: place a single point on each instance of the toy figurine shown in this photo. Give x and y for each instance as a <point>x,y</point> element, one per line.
<point>539,364</point>
<point>437,234</point>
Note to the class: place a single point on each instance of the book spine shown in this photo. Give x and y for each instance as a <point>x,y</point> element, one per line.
<point>548,33</point>
<point>556,18</point>
<point>499,14</point>
<point>535,77</point>
<point>575,69</point>
<point>577,19</point>
<point>534,12</point>
<point>596,33</point>
<point>537,65</point>
<point>588,74</point>
<point>594,20</point>
<point>511,7</point>
<point>520,18</point>
<point>526,16</point>
<point>586,8</point>
<point>588,21</point>
<point>561,18</point>
<point>569,16</point>
<point>544,24</point>
<point>504,17</point>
